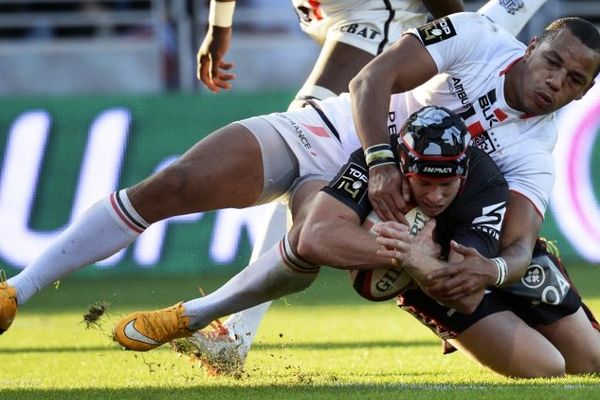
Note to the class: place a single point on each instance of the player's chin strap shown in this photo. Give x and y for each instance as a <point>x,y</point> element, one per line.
<point>310,92</point>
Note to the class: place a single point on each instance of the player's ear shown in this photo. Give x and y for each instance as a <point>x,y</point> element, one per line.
<point>532,45</point>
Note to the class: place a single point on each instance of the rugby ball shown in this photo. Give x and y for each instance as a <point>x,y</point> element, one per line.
<point>384,284</point>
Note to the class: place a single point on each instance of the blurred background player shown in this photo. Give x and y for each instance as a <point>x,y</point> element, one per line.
<point>351,34</point>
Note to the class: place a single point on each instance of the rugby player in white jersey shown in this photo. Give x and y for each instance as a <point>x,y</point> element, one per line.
<point>351,33</point>
<point>281,149</point>
<point>512,97</point>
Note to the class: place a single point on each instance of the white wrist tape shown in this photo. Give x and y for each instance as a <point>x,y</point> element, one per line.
<point>221,13</point>
<point>502,270</point>
<point>379,154</point>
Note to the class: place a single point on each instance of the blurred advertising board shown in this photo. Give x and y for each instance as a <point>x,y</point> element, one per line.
<point>61,154</point>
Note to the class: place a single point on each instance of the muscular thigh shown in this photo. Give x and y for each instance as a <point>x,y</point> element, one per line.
<point>578,341</point>
<point>337,64</point>
<point>546,298</point>
<point>302,196</point>
<point>224,169</point>
<point>506,344</point>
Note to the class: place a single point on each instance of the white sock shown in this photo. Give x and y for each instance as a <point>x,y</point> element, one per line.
<point>511,18</point>
<point>104,229</point>
<point>246,322</point>
<point>276,273</point>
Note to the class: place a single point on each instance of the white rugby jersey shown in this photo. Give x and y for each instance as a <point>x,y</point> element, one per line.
<point>472,54</point>
<point>329,8</point>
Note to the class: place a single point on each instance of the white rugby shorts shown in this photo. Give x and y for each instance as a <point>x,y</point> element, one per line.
<point>309,150</point>
<point>370,25</point>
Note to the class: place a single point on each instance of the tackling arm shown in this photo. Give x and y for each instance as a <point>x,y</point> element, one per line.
<point>332,234</point>
<point>404,66</point>
<point>521,227</point>
<point>416,256</point>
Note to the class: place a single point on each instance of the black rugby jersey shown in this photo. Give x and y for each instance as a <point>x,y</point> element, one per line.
<point>473,219</point>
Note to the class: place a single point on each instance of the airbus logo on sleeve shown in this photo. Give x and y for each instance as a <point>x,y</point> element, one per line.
<point>457,89</point>
<point>491,219</point>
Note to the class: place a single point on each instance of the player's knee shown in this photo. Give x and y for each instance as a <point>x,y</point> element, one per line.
<point>307,243</point>
<point>166,190</point>
<point>555,369</point>
<point>549,366</point>
<point>585,365</point>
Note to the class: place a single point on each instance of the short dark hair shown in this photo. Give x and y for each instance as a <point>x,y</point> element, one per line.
<point>584,30</point>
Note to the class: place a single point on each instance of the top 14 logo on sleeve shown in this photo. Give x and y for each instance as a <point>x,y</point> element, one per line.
<point>436,31</point>
<point>353,182</point>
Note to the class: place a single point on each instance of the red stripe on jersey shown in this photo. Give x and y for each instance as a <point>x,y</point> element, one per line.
<point>316,7</point>
<point>317,130</point>
<point>501,115</point>
<point>475,129</point>
<point>120,214</point>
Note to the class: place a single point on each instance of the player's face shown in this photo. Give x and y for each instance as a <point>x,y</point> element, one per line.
<point>555,72</point>
<point>433,195</point>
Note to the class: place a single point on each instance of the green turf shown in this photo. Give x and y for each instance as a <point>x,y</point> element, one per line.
<point>322,344</point>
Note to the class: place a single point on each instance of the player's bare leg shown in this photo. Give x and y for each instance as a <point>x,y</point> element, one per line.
<point>225,346</point>
<point>206,177</point>
<point>280,271</point>
<point>577,340</point>
<point>521,351</point>
<point>336,65</point>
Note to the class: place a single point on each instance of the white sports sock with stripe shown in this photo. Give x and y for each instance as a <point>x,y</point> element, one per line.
<point>105,228</point>
<point>246,322</point>
<point>276,273</point>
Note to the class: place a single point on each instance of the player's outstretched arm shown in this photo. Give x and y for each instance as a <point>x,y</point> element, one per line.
<point>521,227</point>
<point>418,255</point>
<point>212,69</point>
<point>402,67</point>
<point>332,235</point>
<point>520,231</point>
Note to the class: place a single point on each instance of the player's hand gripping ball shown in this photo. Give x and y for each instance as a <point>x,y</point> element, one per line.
<point>384,284</point>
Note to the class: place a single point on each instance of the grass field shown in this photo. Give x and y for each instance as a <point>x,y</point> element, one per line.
<point>322,344</point>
